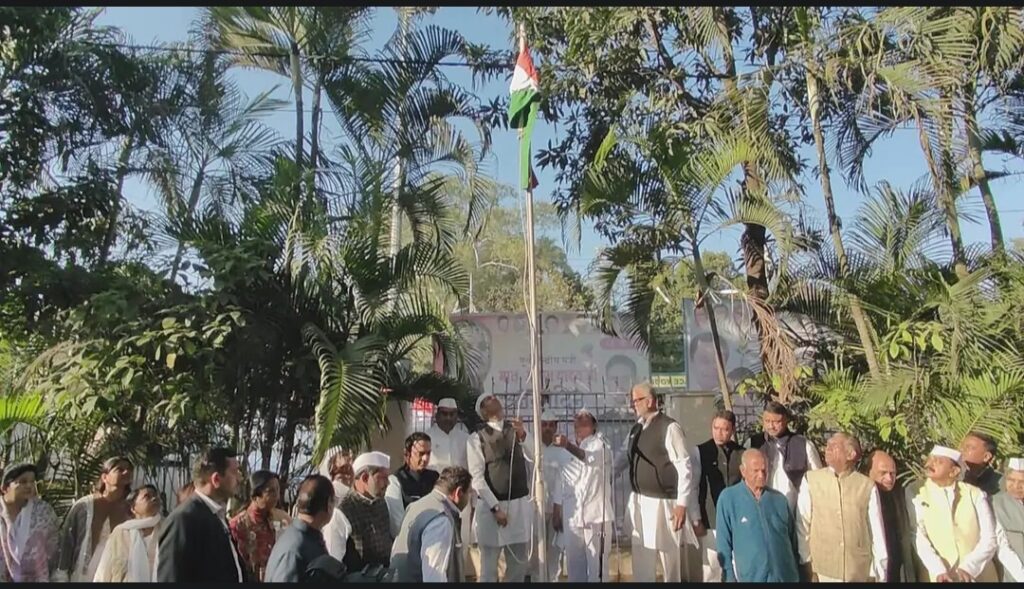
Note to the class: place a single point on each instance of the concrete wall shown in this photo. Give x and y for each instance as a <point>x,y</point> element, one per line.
<point>693,411</point>
<point>392,442</point>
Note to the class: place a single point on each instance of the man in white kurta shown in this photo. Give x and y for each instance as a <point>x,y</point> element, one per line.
<point>1008,506</point>
<point>841,454</point>
<point>661,485</point>
<point>501,526</point>
<point>448,448</point>
<point>555,461</point>
<point>587,512</point>
<point>952,522</point>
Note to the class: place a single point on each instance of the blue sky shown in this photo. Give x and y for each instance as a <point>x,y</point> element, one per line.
<point>897,159</point>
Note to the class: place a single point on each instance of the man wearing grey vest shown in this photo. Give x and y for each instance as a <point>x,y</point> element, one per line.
<point>790,456</point>
<point>497,453</point>
<point>660,474</point>
<point>428,546</point>
<point>1008,506</point>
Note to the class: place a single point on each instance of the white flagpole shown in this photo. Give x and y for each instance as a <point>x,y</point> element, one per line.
<point>531,281</point>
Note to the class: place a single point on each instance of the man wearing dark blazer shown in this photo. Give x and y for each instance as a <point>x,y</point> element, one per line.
<point>195,545</point>
<point>719,464</point>
<point>720,459</point>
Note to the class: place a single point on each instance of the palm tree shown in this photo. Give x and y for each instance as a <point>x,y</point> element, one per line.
<point>406,110</point>
<point>910,63</point>
<point>673,191</point>
<point>279,39</point>
<point>809,57</point>
<point>216,150</point>
<point>151,98</point>
<point>999,51</point>
<point>942,338</point>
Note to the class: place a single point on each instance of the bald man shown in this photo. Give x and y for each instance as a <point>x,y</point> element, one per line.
<point>756,535</point>
<point>880,467</point>
<point>839,523</point>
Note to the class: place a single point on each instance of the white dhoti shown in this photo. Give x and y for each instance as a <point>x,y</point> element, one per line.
<point>583,558</point>
<point>513,540</point>
<point>712,571</point>
<point>555,543</point>
<point>653,538</point>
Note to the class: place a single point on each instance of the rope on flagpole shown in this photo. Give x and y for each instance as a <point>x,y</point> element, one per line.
<point>538,476</point>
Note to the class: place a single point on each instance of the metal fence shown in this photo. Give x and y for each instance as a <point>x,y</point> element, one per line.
<point>614,419</point>
<point>608,400</point>
<point>609,403</point>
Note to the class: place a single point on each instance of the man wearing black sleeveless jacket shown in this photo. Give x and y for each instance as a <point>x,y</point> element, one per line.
<point>660,474</point>
<point>412,481</point>
<point>789,455</point>
<point>497,453</point>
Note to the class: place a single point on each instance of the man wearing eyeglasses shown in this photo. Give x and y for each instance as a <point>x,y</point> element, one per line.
<point>660,473</point>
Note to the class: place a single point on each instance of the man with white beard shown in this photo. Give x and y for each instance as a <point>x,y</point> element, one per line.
<point>587,512</point>
<point>660,473</point>
<point>337,466</point>
<point>497,454</point>
<point>359,532</point>
<point>448,448</point>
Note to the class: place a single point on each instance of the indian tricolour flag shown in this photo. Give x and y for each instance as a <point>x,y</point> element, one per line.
<point>522,112</point>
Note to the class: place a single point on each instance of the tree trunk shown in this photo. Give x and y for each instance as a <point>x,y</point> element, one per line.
<point>709,306</point>
<point>396,209</point>
<point>300,133</point>
<point>115,210</point>
<point>859,318</point>
<point>979,176</point>
<point>269,436</point>
<point>754,237</point>
<point>288,440</point>
<point>945,198</point>
<point>314,139</point>
<point>193,201</point>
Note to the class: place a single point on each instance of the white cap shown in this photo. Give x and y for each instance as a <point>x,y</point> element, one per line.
<point>1015,464</point>
<point>953,455</point>
<point>325,464</point>
<point>371,459</point>
<point>950,453</point>
<point>447,403</point>
<point>584,411</point>
<point>547,415</point>
<point>480,402</point>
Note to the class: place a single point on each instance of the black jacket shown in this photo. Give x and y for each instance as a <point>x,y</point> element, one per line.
<point>711,479</point>
<point>195,547</point>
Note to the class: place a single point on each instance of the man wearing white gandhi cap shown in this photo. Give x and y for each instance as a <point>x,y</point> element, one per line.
<point>952,523</point>
<point>587,511</point>
<point>554,463</point>
<point>497,453</point>
<point>359,532</point>
<point>448,448</point>
<point>1009,508</point>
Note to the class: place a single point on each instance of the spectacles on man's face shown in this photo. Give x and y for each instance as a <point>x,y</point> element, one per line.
<point>633,402</point>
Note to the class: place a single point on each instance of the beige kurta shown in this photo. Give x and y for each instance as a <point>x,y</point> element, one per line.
<point>128,556</point>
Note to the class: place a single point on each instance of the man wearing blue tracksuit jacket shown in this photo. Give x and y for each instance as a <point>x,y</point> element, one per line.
<point>756,531</point>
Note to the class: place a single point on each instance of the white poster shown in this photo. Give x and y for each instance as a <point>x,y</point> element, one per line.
<point>576,355</point>
<point>738,339</point>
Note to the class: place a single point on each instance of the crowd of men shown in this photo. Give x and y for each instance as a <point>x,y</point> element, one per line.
<point>766,511</point>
